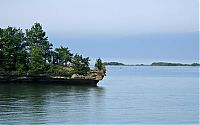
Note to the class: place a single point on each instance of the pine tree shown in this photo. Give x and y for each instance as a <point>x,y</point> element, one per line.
<point>12,49</point>
<point>39,47</point>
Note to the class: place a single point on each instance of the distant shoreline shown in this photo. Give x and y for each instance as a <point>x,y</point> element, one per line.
<point>152,64</point>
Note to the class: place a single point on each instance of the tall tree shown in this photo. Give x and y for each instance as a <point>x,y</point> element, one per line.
<point>36,37</point>
<point>99,64</point>
<point>63,55</point>
<point>39,48</point>
<point>13,49</point>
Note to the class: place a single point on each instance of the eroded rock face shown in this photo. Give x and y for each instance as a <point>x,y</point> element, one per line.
<point>93,74</point>
<point>99,77</point>
<point>77,76</point>
<point>98,74</point>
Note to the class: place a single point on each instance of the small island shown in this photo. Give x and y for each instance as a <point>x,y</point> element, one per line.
<point>152,64</point>
<point>29,57</point>
<point>173,64</point>
<point>113,64</point>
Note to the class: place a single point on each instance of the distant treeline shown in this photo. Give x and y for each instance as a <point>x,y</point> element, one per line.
<point>173,64</point>
<point>114,63</point>
<point>153,64</point>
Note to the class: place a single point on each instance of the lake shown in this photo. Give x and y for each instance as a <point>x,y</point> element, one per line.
<point>127,95</point>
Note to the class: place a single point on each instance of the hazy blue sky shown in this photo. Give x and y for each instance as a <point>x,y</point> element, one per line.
<point>132,31</point>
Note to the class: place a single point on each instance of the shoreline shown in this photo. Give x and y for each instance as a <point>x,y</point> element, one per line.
<point>47,80</point>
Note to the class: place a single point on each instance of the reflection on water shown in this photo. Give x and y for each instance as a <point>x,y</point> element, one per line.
<point>41,103</point>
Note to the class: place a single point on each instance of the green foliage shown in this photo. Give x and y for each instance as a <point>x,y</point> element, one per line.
<point>36,37</point>
<point>62,55</point>
<point>58,70</point>
<point>80,64</point>
<point>31,53</point>
<point>39,49</point>
<point>37,63</point>
<point>100,65</point>
<point>12,49</point>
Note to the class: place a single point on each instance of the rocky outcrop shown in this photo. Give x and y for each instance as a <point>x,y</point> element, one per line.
<point>77,76</point>
<point>97,74</point>
<point>92,74</point>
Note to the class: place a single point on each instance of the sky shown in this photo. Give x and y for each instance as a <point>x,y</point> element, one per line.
<point>129,31</point>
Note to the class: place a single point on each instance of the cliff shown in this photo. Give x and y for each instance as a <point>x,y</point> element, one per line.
<point>92,74</point>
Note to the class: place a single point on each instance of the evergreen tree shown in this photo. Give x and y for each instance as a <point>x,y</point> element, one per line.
<point>81,65</point>
<point>100,65</point>
<point>36,37</point>
<point>37,64</point>
<point>39,48</point>
<point>63,55</point>
<point>12,49</point>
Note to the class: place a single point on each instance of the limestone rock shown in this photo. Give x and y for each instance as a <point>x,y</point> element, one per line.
<point>75,76</point>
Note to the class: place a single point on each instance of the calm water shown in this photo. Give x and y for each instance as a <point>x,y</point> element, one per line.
<point>154,95</point>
